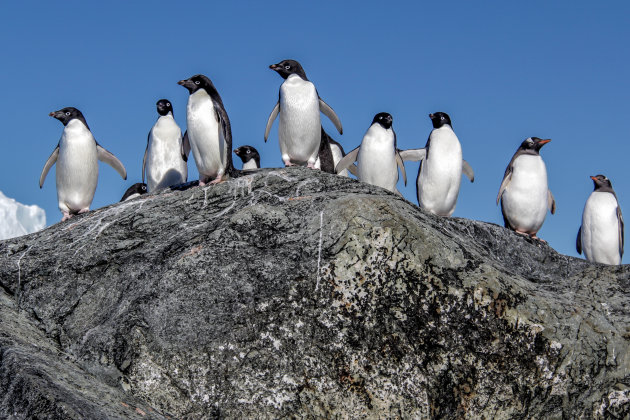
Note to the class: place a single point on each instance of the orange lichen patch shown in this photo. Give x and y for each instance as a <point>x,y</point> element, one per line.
<point>124,405</point>
<point>304,197</point>
<point>140,412</point>
<point>192,251</point>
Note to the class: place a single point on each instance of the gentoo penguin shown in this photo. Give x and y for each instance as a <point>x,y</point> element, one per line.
<point>299,104</point>
<point>77,156</point>
<point>601,233</point>
<point>377,157</point>
<point>524,194</point>
<point>441,167</point>
<point>250,157</point>
<point>136,190</point>
<point>209,132</point>
<point>163,164</point>
<point>330,154</point>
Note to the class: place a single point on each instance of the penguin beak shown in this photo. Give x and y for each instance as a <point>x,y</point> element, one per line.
<point>544,141</point>
<point>431,116</point>
<point>182,82</point>
<point>593,178</point>
<point>275,67</point>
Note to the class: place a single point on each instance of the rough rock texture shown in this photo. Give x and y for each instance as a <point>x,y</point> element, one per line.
<point>293,293</point>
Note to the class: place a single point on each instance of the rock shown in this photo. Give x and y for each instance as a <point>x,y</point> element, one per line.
<point>294,293</point>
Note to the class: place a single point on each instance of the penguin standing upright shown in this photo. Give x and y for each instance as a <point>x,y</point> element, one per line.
<point>330,154</point>
<point>601,235</point>
<point>377,157</point>
<point>163,163</point>
<point>299,105</point>
<point>209,132</point>
<point>77,156</point>
<point>524,194</point>
<point>441,167</point>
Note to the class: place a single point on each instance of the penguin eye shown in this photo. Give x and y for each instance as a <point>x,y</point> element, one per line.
<point>67,113</point>
<point>167,104</point>
<point>287,67</point>
<point>442,117</point>
<point>196,82</point>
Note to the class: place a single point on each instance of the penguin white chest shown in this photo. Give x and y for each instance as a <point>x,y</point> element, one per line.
<point>299,128</point>
<point>525,199</point>
<point>205,135</point>
<point>165,166</point>
<point>77,167</point>
<point>337,156</point>
<point>441,173</point>
<point>249,165</point>
<point>377,160</point>
<point>600,229</point>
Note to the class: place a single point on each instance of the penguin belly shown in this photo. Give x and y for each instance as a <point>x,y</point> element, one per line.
<point>337,156</point>
<point>525,199</point>
<point>299,129</point>
<point>376,160</point>
<point>205,136</point>
<point>600,229</point>
<point>249,165</point>
<point>441,173</point>
<point>77,168</point>
<point>165,166</point>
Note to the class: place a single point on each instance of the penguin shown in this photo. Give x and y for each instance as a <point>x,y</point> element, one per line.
<point>441,167</point>
<point>209,132</point>
<point>524,194</point>
<point>77,155</point>
<point>330,154</point>
<point>299,104</point>
<point>136,190</point>
<point>377,157</point>
<point>601,235</point>
<point>163,164</point>
<point>250,157</point>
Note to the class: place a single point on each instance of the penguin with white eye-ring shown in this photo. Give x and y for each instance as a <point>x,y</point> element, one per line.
<point>77,156</point>
<point>299,105</point>
<point>601,234</point>
<point>524,194</point>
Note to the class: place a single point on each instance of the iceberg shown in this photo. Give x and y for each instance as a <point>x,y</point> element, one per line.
<point>17,219</point>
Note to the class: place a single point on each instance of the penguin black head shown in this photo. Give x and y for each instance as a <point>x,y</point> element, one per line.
<point>164,107</point>
<point>533,144</point>
<point>601,183</point>
<point>196,82</point>
<point>134,191</point>
<point>68,114</point>
<point>384,119</point>
<point>246,153</point>
<point>286,68</point>
<point>439,119</point>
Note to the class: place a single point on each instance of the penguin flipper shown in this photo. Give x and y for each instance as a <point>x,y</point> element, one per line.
<point>49,163</point>
<point>578,241</point>
<point>353,170</point>
<point>506,180</point>
<point>551,202</point>
<point>330,113</point>
<point>106,156</point>
<point>185,147</point>
<point>401,165</point>
<point>347,161</point>
<point>272,117</point>
<point>620,219</point>
<point>468,171</point>
<point>414,155</point>
<point>144,159</point>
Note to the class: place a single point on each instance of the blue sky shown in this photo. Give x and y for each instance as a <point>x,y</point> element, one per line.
<point>503,71</point>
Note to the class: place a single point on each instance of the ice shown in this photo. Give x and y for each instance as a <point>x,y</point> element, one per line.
<point>17,219</point>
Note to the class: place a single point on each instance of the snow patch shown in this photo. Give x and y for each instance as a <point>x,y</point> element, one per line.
<point>17,219</point>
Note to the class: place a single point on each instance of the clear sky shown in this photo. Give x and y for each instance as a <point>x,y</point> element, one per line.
<point>504,71</point>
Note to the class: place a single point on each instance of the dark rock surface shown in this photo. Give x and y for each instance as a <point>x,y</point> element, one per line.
<point>294,293</point>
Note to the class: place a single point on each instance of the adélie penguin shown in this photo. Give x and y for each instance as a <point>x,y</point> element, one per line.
<point>77,156</point>
<point>377,157</point>
<point>441,167</point>
<point>524,194</point>
<point>330,154</point>
<point>601,235</point>
<point>163,164</point>
<point>209,133</point>
<point>249,156</point>
<point>299,105</point>
<point>136,190</point>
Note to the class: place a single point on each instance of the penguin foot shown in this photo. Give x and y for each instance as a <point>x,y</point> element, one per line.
<point>85,210</point>
<point>66,216</point>
<point>311,165</point>
<point>201,183</point>
<point>288,163</point>
<point>215,181</point>
<point>537,238</point>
